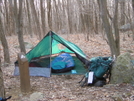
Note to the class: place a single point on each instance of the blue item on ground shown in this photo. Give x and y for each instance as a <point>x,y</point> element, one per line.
<point>62,63</point>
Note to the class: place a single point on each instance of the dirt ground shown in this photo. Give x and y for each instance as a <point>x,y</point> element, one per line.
<point>67,88</point>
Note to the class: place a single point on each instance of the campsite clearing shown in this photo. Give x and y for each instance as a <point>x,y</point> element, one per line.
<point>66,88</point>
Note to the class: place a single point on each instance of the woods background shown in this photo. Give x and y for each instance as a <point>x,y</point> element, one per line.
<point>37,17</point>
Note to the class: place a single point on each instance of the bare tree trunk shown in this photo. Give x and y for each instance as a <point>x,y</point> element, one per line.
<point>29,19</point>
<point>36,18</point>
<point>132,18</point>
<point>115,27</point>
<point>4,43</point>
<point>12,24</point>
<point>6,29</point>
<point>96,23</point>
<point>69,16</point>
<point>19,26</point>
<point>49,14</point>
<point>6,56</point>
<point>108,29</point>
<point>58,23</point>
<point>43,21</point>
<point>133,4</point>
<point>2,90</point>
<point>122,9</point>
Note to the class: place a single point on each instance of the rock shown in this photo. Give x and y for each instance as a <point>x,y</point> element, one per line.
<point>36,96</point>
<point>117,97</point>
<point>126,27</point>
<point>130,51</point>
<point>123,70</point>
<point>28,45</point>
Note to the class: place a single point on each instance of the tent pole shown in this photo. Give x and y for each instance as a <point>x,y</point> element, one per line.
<point>50,33</point>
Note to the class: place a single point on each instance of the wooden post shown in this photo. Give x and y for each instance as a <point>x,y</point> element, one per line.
<point>24,73</point>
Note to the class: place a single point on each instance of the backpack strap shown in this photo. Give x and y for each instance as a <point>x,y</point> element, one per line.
<point>108,74</point>
<point>84,83</point>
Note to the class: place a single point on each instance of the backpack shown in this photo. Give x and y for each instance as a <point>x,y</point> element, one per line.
<point>98,71</point>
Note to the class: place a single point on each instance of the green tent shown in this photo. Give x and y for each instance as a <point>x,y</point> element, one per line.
<point>50,45</point>
<point>53,44</point>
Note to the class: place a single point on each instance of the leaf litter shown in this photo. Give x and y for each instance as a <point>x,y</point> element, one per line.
<point>64,88</point>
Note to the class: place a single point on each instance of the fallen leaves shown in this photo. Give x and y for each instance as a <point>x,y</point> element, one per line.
<point>63,88</point>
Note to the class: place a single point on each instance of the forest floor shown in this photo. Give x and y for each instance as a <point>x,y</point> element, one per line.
<point>64,88</point>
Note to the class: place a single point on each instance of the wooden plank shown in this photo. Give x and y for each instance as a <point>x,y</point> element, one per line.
<point>24,73</point>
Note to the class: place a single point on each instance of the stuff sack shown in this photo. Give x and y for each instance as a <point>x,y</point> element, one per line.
<point>62,63</point>
<point>100,67</point>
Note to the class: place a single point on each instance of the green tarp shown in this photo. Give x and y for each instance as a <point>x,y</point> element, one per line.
<point>50,45</point>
